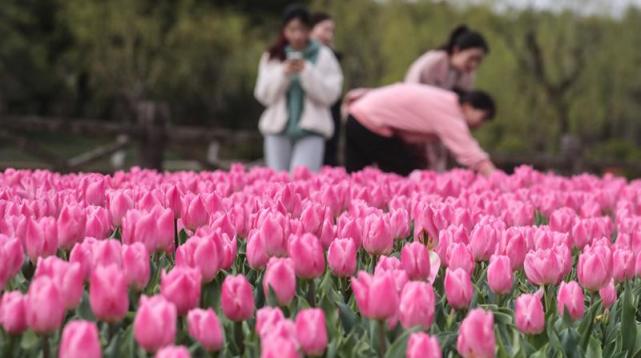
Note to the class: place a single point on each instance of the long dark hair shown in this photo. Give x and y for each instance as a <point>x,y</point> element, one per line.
<point>478,99</point>
<point>462,38</point>
<point>292,12</point>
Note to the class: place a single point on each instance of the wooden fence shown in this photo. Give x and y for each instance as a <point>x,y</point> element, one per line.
<point>151,134</point>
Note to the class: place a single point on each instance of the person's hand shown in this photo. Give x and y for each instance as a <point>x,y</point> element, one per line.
<point>486,168</point>
<point>293,67</point>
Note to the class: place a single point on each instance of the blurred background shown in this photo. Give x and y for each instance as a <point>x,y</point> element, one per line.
<point>104,85</point>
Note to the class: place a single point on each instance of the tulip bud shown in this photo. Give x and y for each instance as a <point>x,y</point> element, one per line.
<point>181,286</point>
<point>307,255</point>
<point>476,335</point>
<point>281,278</point>
<point>155,323</point>
<point>570,298</point>
<point>529,316</point>
<point>108,293</point>
<point>237,298</point>
<point>311,331</point>
<point>341,257</point>
<point>458,288</point>
<point>80,339</point>
<point>205,328</point>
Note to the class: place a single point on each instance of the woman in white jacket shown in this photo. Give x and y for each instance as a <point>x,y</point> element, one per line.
<point>298,81</point>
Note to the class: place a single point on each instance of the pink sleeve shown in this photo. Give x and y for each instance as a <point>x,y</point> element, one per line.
<point>425,70</point>
<point>456,136</point>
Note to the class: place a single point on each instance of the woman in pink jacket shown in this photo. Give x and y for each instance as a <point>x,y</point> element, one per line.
<point>385,124</point>
<point>452,66</point>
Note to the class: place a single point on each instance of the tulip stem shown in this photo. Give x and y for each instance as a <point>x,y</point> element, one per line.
<point>311,293</point>
<point>382,342</point>
<point>46,350</point>
<point>238,336</point>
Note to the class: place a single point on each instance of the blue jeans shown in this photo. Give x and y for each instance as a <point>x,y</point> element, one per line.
<point>285,154</point>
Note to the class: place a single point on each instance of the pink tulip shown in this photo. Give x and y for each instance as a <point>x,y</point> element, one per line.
<point>451,235</point>
<point>392,265</point>
<point>459,256</point>
<point>71,225</point>
<point>350,228</point>
<point>515,247</point>
<point>106,252</point>
<point>165,231</point>
<point>623,262</point>
<point>377,235</point>
<point>608,294</point>
<point>267,318</point>
<point>173,200</point>
<point>327,233</point>
<point>205,328</point>
<point>458,288</point>
<point>45,306</point>
<point>195,214</point>
<point>155,323</point>
<point>312,217</point>
<point>173,352</point>
<point>108,294</point>
<point>95,191</point>
<point>484,241</point>
<point>279,348</point>
<point>415,260</point>
<point>136,265</point>
<point>387,263</point>
<point>421,345</point>
<point>562,219</point>
<point>476,335</point>
<point>400,223</point>
<point>341,257</point>
<point>11,257</point>
<point>181,286</point>
<point>281,278</point>
<point>274,231</point>
<point>80,339</point>
<point>119,203</point>
<point>570,298</point>
<point>376,296</point>
<point>41,238</point>
<point>13,312</point>
<point>284,328</point>
<point>416,307</point>
<point>98,224</point>
<point>311,331</point>
<point>68,276</point>
<point>256,250</point>
<point>594,268</point>
<point>499,274</point>
<point>200,253</point>
<point>542,267</point>
<point>229,250</point>
<point>237,298</point>
<point>82,253</point>
<point>529,316</point>
<point>307,255</point>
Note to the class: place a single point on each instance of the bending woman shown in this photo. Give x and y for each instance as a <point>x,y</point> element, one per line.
<point>452,66</point>
<point>385,124</point>
<point>298,81</point>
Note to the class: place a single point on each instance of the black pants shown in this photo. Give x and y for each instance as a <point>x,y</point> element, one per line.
<point>365,148</point>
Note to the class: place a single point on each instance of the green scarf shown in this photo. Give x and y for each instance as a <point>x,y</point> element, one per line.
<point>296,94</point>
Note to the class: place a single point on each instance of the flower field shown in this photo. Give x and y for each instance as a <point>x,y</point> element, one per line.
<point>255,263</point>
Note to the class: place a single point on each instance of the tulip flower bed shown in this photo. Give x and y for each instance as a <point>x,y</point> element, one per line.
<point>253,263</point>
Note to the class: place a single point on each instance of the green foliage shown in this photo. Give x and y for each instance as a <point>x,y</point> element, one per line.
<point>93,58</point>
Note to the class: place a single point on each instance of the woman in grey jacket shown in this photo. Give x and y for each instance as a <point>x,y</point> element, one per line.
<point>298,81</point>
